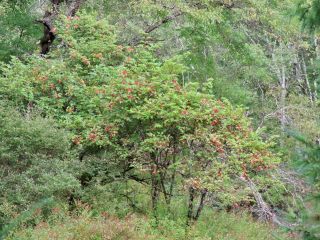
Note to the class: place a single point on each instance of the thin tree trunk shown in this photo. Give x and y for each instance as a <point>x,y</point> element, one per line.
<point>173,176</point>
<point>283,95</point>
<point>298,74</point>
<point>281,74</point>
<point>164,190</point>
<point>172,181</point>
<point>190,205</point>
<point>304,66</point>
<point>315,84</point>
<point>154,192</point>
<point>201,204</point>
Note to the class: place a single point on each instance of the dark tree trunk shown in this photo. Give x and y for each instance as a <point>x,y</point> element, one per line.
<point>47,21</point>
<point>190,205</point>
<point>164,190</point>
<point>191,216</point>
<point>47,39</point>
<point>201,204</point>
<point>155,190</point>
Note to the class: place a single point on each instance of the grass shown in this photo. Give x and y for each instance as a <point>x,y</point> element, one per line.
<point>83,225</point>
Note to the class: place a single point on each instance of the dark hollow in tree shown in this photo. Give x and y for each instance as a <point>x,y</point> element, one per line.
<point>47,39</point>
<point>48,30</point>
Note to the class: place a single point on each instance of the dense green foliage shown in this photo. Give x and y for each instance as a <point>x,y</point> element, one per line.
<point>309,12</point>
<point>308,166</point>
<point>126,102</point>
<point>160,117</point>
<point>18,33</point>
<point>35,162</point>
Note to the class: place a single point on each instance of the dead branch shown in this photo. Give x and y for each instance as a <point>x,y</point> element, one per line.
<point>263,210</point>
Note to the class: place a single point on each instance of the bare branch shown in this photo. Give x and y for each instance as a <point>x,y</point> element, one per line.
<point>74,7</point>
<point>263,210</point>
<point>157,25</point>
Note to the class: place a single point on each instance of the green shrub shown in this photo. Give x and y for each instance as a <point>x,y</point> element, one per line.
<point>35,161</point>
<point>127,102</point>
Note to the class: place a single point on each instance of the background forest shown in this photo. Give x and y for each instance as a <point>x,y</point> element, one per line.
<point>163,119</point>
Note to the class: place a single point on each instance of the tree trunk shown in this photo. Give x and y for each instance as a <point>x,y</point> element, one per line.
<point>154,192</point>
<point>304,66</point>
<point>298,73</point>
<point>283,95</point>
<point>47,21</point>
<point>282,83</point>
<point>172,181</point>
<point>190,205</point>
<point>164,190</point>
<point>201,204</point>
<point>315,84</point>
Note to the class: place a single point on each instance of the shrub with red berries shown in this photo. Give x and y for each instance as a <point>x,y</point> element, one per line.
<point>131,103</point>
